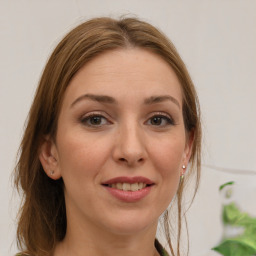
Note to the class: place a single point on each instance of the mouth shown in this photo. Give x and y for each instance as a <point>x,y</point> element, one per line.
<point>129,187</point>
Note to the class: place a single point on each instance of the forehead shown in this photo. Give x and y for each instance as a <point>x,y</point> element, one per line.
<point>131,71</point>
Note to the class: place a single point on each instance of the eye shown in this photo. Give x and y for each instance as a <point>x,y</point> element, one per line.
<point>95,120</point>
<point>160,120</point>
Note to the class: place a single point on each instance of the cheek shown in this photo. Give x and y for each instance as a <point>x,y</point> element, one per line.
<point>81,155</point>
<point>167,160</point>
<point>168,156</point>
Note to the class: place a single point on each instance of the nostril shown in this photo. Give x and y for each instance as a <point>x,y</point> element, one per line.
<point>130,162</point>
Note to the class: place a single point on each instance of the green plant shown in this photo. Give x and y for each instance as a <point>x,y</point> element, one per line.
<point>244,242</point>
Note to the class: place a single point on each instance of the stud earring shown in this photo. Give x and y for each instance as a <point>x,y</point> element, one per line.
<point>51,172</point>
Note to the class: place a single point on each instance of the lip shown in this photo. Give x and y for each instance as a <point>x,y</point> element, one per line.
<point>130,180</point>
<point>129,196</point>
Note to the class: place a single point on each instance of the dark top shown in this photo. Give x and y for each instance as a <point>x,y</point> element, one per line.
<point>160,249</point>
<point>158,246</point>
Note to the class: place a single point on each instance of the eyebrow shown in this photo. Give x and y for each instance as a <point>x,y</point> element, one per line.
<point>111,100</point>
<point>98,98</point>
<point>161,98</point>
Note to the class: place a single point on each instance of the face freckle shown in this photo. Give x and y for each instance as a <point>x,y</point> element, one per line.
<point>121,117</point>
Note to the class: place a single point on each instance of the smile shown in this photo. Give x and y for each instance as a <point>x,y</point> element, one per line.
<point>129,189</point>
<point>128,186</point>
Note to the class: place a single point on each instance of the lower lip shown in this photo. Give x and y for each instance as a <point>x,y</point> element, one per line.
<point>129,196</point>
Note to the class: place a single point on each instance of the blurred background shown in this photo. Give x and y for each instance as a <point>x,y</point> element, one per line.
<point>217,41</point>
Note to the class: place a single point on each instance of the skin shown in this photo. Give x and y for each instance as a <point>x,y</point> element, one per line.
<point>125,138</point>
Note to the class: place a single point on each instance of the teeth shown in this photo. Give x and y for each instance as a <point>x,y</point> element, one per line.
<point>128,187</point>
<point>119,186</point>
<point>142,185</point>
<point>134,187</point>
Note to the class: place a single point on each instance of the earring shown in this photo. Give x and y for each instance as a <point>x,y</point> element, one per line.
<point>51,172</point>
<point>183,171</point>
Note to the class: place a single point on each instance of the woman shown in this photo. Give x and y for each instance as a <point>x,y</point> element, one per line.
<point>113,126</point>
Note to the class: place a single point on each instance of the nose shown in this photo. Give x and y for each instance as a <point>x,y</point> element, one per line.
<point>130,147</point>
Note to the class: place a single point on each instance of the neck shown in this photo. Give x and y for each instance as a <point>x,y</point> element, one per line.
<point>79,242</point>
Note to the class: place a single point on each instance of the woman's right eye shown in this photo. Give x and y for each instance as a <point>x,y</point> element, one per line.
<point>94,120</point>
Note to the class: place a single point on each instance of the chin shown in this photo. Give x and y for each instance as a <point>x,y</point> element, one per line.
<point>130,224</point>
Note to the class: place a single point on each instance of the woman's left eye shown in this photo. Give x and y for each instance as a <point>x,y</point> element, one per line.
<point>160,120</point>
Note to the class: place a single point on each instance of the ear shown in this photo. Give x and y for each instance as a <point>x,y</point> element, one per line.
<point>48,156</point>
<point>188,148</point>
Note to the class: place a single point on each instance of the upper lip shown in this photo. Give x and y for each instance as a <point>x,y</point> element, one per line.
<point>124,179</point>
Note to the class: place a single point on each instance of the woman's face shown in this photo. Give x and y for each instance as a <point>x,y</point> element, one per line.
<point>121,141</point>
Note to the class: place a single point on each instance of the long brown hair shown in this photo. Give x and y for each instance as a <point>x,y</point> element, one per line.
<point>42,216</point>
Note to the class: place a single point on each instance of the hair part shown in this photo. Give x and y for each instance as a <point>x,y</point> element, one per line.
<point>42,216</point>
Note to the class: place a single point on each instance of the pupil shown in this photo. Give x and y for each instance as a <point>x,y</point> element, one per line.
<point>95,120</point>
<point>156,120</point>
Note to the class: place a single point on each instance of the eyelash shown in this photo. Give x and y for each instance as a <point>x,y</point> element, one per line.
<point>89,117</point>
<point>161,116</point>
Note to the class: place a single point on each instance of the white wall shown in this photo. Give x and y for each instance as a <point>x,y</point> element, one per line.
<point>217,41</point>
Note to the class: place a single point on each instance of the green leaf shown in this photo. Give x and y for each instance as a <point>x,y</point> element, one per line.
<point>226,184</point>
<point>234,248</point>
<point>233,216</point>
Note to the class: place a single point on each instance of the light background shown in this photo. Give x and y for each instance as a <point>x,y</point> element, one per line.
<point>217,41</point>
